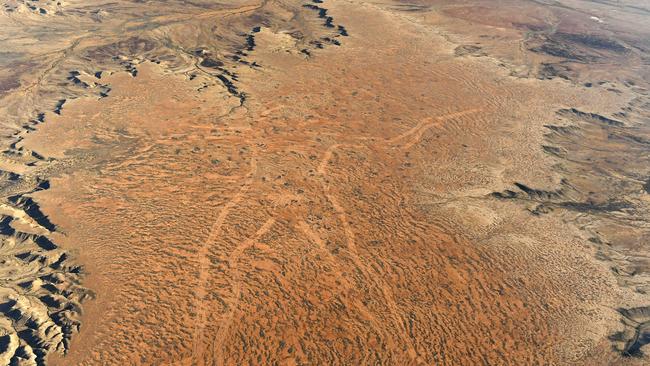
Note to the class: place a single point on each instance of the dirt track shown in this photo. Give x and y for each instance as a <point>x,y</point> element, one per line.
<point>336,184</point>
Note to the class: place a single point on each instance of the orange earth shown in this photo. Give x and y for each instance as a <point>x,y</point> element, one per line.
<point>325,182</point>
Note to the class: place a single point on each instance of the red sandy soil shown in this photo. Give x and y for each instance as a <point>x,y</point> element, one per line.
<point>398,198</point>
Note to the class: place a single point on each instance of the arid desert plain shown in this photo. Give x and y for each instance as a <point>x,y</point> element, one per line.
<point>325,182</point>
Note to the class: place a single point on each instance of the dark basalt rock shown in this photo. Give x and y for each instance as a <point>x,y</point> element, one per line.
<point>584,48</point>
<point>593,41</point>
<point>563,51</point>
<point>131,47</point>
<point>590,206</point>
<point>211,63</point>
<point>552,70</point>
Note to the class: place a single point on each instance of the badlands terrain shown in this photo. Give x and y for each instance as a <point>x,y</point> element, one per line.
<point>325,182</point>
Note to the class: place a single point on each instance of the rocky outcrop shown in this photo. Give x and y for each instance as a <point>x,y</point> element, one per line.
<point>41,292</point>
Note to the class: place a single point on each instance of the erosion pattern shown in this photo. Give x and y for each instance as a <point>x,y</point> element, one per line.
<point>41,294</point>
<point>325,182</point>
